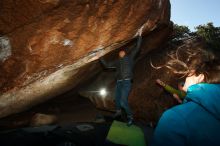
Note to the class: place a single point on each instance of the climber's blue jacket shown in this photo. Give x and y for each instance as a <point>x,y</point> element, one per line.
<point>196,122</point>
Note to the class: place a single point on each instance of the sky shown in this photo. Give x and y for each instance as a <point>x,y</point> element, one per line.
<point>195,12</point>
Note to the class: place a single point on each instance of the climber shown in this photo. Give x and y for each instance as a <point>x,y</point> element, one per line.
<point>124,66</point>
<point>196,122</point>
<point>124,75</point>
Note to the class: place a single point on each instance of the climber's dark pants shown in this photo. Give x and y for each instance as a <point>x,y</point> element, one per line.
<point>123,88</point>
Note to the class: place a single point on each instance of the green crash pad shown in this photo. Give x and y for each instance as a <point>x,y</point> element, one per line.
<point>120,133</point>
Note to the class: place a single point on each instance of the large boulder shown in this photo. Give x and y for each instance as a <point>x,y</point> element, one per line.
<point>47,46</point>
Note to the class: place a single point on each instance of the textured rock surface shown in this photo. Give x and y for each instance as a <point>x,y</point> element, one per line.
<point>147,99</point>
<point>53,41</point>
<point>43,119</point>
<point>17,14</point>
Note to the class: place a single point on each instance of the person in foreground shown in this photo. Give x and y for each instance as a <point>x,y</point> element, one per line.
<point>196,122</point>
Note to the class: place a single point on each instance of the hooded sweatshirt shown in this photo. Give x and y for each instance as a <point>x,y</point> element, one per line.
<point>196,122</point>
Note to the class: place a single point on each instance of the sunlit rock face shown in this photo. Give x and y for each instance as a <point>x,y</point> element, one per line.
<point>52,42</point>
<point>147,99</point>
<point>14,15</point>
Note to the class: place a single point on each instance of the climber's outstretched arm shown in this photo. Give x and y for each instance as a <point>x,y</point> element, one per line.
<point>138,45</point>
<point>108,64</point>
<point>137,48</point>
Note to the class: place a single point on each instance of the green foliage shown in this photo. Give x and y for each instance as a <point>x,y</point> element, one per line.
<point>180,31</point>
<point>210,33</point>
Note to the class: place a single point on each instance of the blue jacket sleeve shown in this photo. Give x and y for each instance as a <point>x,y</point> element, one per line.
<point>170,131</point>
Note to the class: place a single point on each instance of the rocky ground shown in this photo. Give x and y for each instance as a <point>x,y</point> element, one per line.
<point>36,127</point>
<point>67,108</point>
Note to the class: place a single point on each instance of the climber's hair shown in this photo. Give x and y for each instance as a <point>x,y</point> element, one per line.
<point>198,61</point>
<point>124,50</point>
<point>194,61</point>
<point>211,70</point>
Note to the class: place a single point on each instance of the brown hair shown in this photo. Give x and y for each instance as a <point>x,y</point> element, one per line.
<point>197,60</point>
<point>211,70</point>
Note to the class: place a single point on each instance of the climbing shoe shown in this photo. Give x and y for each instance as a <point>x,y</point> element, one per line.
<point>130,121</point>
